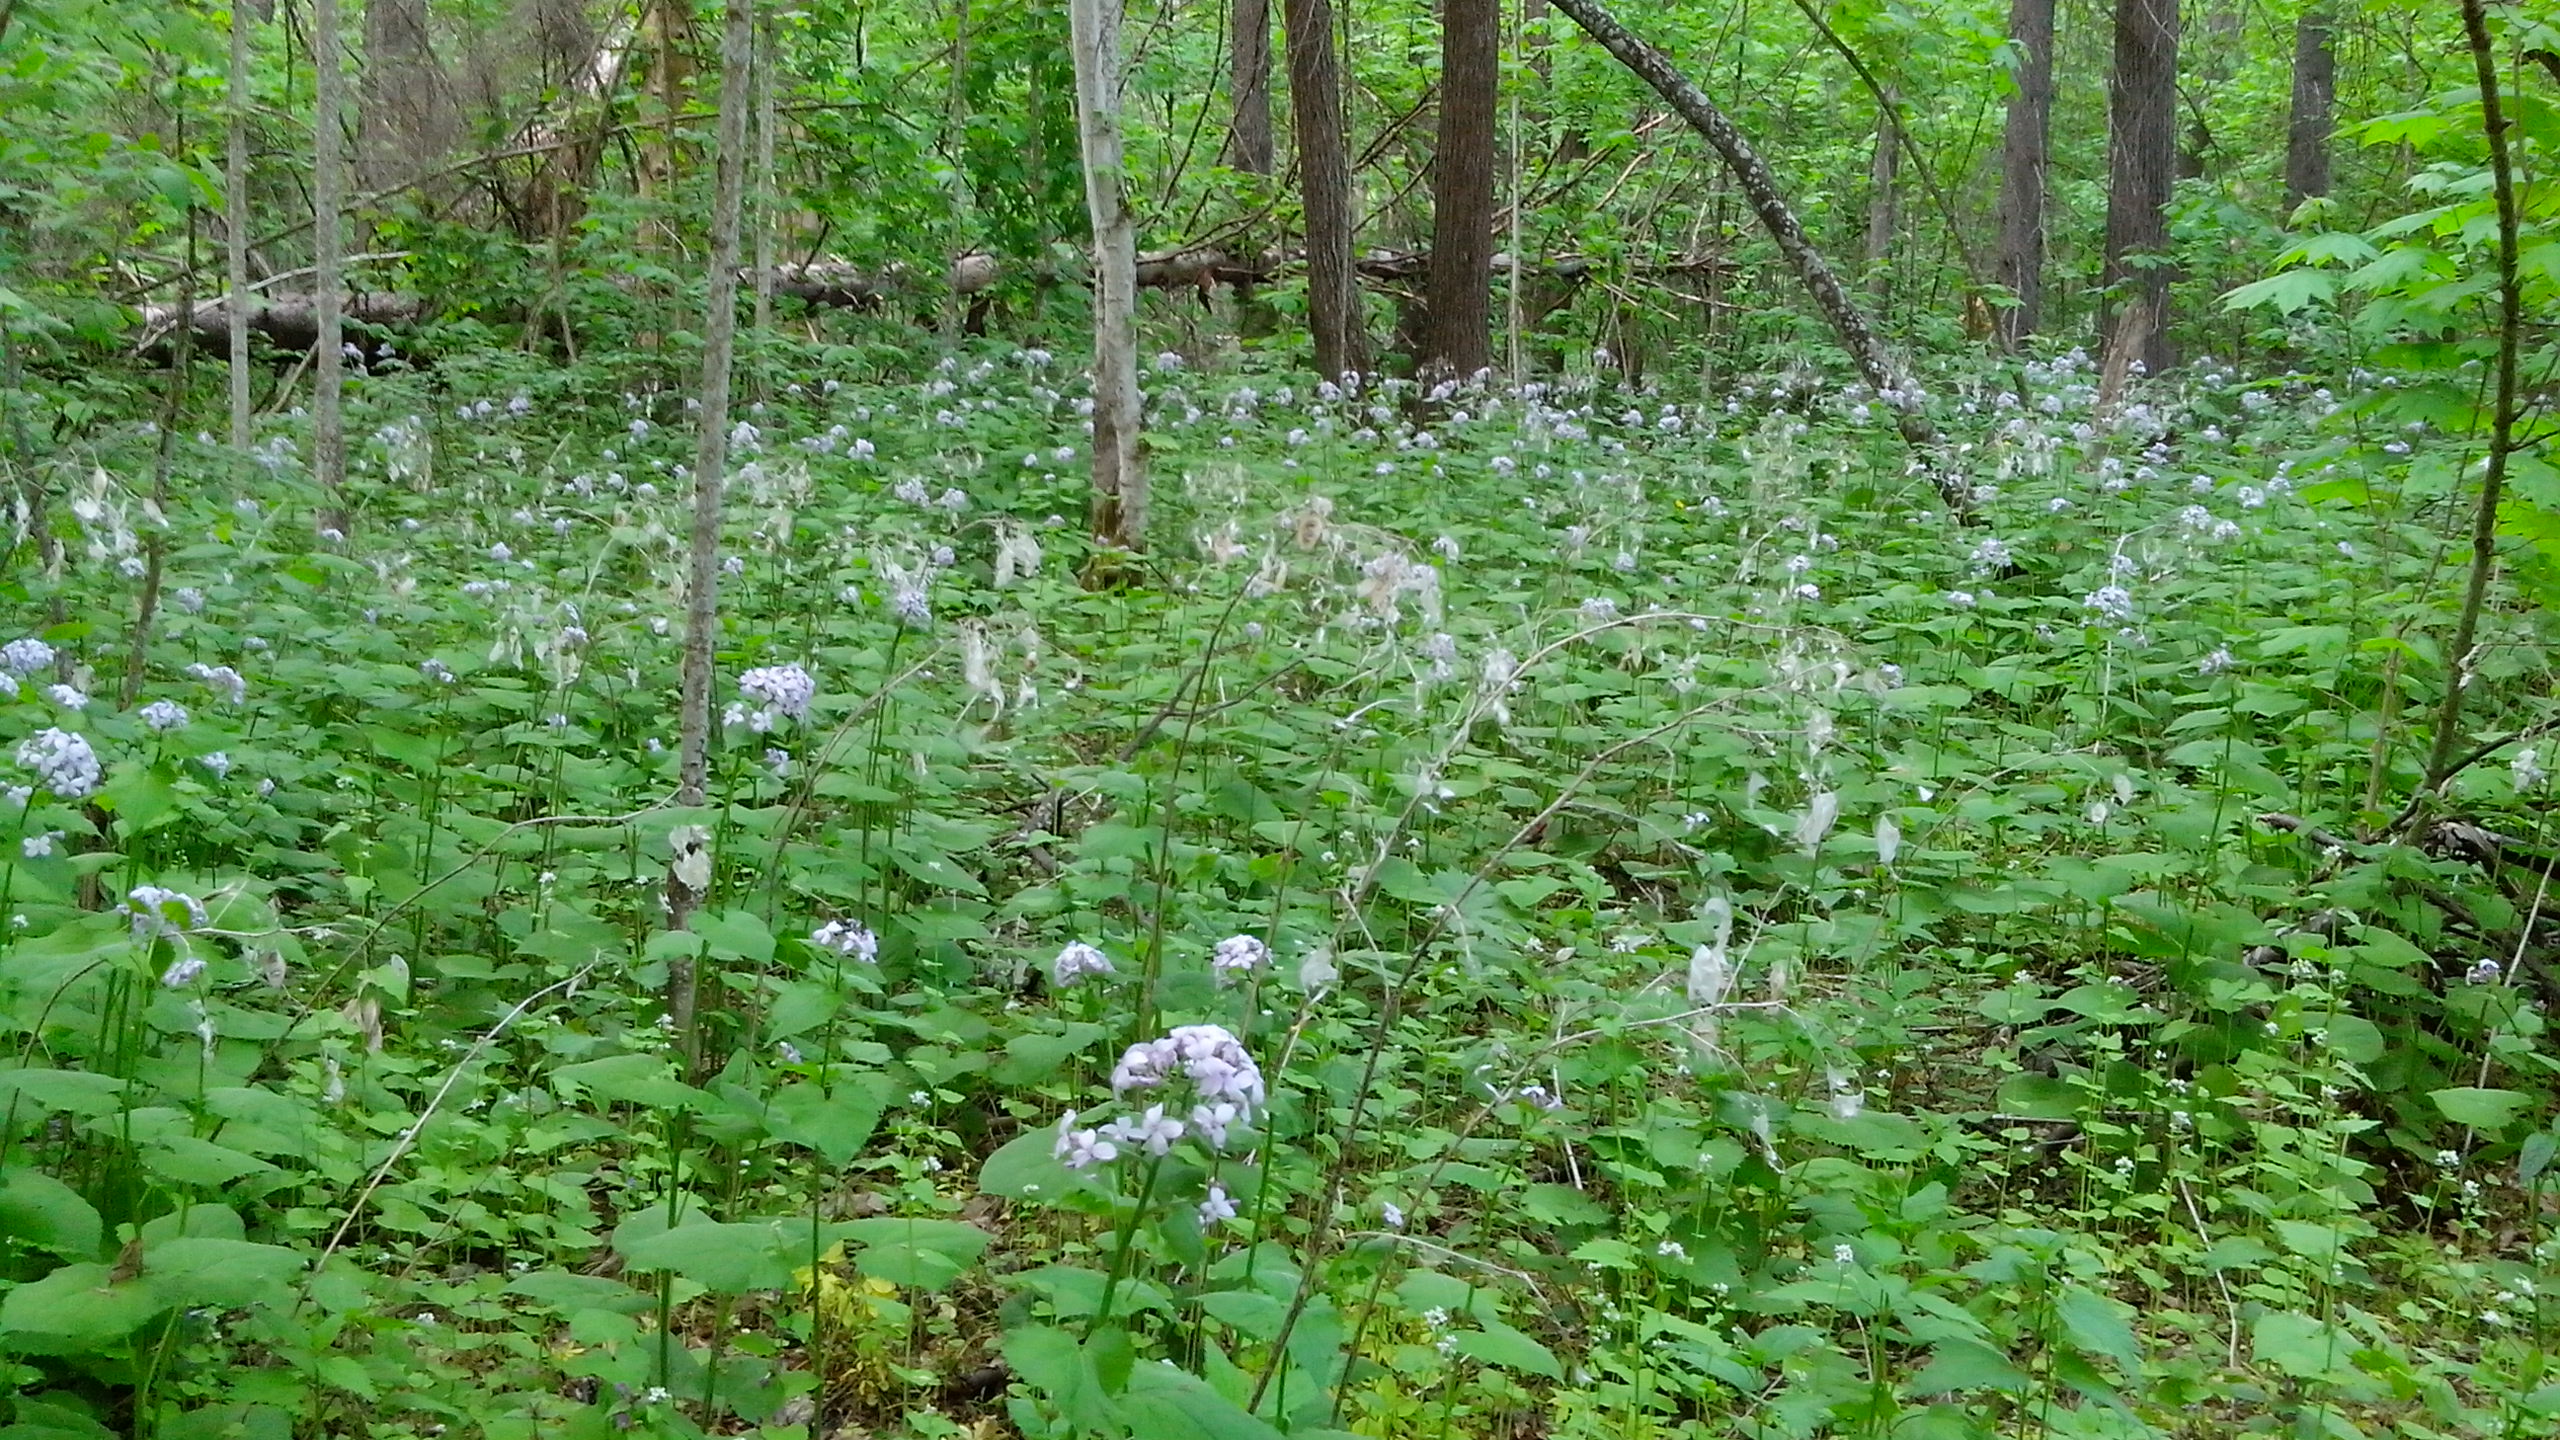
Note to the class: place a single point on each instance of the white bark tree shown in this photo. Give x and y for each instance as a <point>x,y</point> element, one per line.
<point>235,227</point>
<point>1119,512</point>
<point>328,279</point>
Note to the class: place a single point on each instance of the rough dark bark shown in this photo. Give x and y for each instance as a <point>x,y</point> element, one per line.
<point>1759,188</point>
<point>2315,96</point>
<point>1118,513</point>
<point>1249,81</point>
<point>1459,337</point>
<point>2025,152</point>
<point>2142,162</point>
<point>328,182</point>
<point>1324,179</point>
<point>1883,173</point>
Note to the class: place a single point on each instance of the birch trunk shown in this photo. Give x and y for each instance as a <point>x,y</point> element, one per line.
<point>1759,187</point>
<point>768,201</point>
<point>710,459</point>
<point>1119,512</point>
<point>328,192</point>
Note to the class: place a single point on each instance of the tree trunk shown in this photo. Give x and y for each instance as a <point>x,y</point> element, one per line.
<point>1759,188</point>
<point>2315,94</point>
<point>2142,159</point>
<point>1119,510</point>
<point>235,230</point>
<point>1249,81</point>
<point>2025,152</point>
<point>710,461</point>
<point>1883,171</point>
<point>405,118</point>
<point>1459,339</point>
<point>328,185</point>
<point>768,199</point>
<point>1324,177</point>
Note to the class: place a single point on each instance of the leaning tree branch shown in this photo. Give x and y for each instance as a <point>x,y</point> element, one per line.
<point>2502,420</point>
<point>1759,187</point>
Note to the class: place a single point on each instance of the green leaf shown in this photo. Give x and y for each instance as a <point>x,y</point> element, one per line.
<point>924,1254</point>
<point>725,1258</point>
<point>74,1308</point>
<point>2535,1156</point>
<point>1051,1362</point>
<point>647,1081</point>
<point>736,935</point>
<point>1959,1366</point>
<point>1164,1402</point>
<point>2298,1345</point>
<point>2096,1327</point>
<point>1504,1348</point>
<point>41,1213</point>
<point>74,1092</point>
<point>2283,292</point>
<point>2478,1108</point>
<point>226,1274</point>
<point>833,1121</point>
<point>1026,1168</point>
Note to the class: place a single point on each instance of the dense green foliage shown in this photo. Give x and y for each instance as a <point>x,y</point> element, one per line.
<point>1579,904</point>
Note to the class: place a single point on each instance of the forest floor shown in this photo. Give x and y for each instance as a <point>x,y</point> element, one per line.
<point>1703,943</point>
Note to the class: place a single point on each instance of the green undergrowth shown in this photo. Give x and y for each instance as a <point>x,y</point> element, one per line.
<point>1732,951</point>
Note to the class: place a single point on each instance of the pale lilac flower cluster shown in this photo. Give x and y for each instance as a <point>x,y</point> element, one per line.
<point>778,690</point>
<point>157,911</point>
<point>25,657</point>
<point>221,680</point>
<point>1239,954</point>
<point>849,939</point>
<point>1077,963</point>
<point>63,762</point>
<point>164,715</point>
<point>1225,1088</point>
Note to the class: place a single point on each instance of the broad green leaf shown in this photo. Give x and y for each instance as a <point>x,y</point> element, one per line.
<point>41,1213</point>
<point>2097,1327</point>
<point>1504,1348</point>
<point>2481,1109</point>
<point>647,1081</point>
<point>725,1258</point>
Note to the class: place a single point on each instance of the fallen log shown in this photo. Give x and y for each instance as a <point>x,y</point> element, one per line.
<point>291,321</point>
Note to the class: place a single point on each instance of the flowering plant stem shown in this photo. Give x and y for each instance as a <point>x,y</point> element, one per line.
<point>1122,1245</point>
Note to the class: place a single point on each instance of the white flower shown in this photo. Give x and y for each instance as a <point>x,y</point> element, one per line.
<point>846,938</point>
<point>1672,1250</point>
<point>1240,952</point>
<point>1213,1122</point>
<point>222,680</point>
<point>2485,972</point>
<point>1154,1131</point>
<point>37,847</point>
<point>1078,962</point>
<point>164,715</point>
<point>157,911</point>
<point>787,689</point>
<point>1217,1207</point>
<point>1082,1149</point>
<point>2215,663</point>
<point>1390,1212</point>
<point>181,973</point>
<point>2448,1159</point>
<point>2112,602</point>
<point>25,657</point>
<point>63,762</point>
<point>69,697</point>
<point>2526,770</point>
<point>1844,1254</point>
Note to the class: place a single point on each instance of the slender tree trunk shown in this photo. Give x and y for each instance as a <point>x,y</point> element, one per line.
<point>328,186</point>
<point>1459,340</point>
<point>1324,177</point>
<point>1759,187</point>
<point>1884,171</point>
<point>1119,510</point>
<point>1249,81</point>
<point>235,229</point>
<point>2315,95</point>
<point>710,462</point>
<point>2142,161</point>
<point>2025,152</point>
<point>768,198</point>
<point>2504,418</point>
